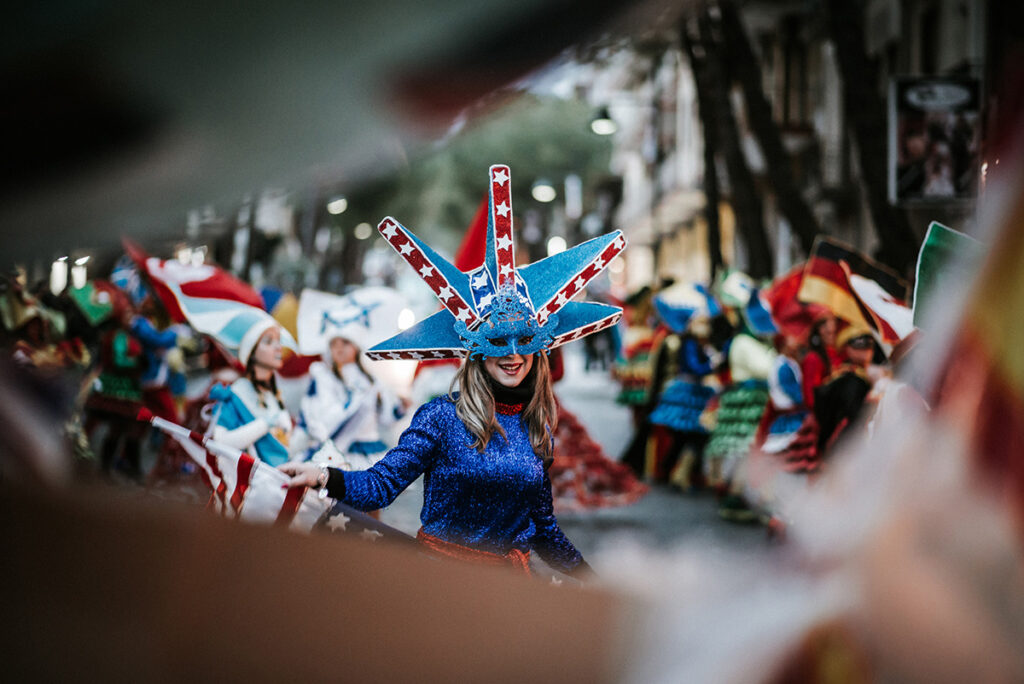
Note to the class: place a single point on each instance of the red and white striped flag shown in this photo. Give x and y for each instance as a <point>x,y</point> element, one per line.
<point>244,487</point>
<point>203,280</point>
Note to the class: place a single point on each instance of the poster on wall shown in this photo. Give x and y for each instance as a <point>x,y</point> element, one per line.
<point>934,139</point>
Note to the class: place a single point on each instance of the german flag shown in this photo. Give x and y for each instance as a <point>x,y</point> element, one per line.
<point>826,281</point>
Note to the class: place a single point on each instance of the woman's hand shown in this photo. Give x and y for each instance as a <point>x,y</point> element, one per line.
<point>302,474</point>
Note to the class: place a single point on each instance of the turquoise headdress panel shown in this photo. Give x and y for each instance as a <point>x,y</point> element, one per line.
<point>499,309</point>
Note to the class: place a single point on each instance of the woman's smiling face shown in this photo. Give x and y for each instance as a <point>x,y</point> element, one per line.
<point>509,370</point>
<point>268,350</point>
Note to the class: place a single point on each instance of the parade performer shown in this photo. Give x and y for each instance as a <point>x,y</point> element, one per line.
<point>636,374</point>
<point>682,363</point>
<point>346,409</point>
<point>634,370</point>
<point>249,414</point>
<point>162,353</point>
<point>741,406</point>
<point>37,328</point>
<point>788,429</point>
<point>840,399</point>
<point>162,345</point>
<point>823,355</point>
<point>483,452</point>
<point>116,395</point>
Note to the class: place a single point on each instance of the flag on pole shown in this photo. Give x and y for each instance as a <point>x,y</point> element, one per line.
<point>247,489</point>
<point>947,256</point>
<point>202,280</point>
<point>891,319</point>
<point>856,289</point>
<point>244,487</point>
<point>227,321</point>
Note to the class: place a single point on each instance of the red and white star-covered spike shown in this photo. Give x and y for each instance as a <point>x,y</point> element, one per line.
<point>594,327</point>
<point>399,238</point>
<point>579,281</point>
<point>416,355</point>
<point>501,219</point>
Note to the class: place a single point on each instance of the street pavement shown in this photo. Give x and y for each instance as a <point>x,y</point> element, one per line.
<point>663,519</point>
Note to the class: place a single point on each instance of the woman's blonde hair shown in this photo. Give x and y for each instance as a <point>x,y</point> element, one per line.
<point>475,406</point>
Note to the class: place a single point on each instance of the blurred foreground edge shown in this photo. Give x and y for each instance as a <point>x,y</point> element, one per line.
<point>103,588</point>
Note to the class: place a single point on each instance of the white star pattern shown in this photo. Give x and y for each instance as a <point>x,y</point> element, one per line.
<point>406,249</point>
<point>389,231</point>
<point>480,282</point>
<point>579,282</point>
<point>561,299</point>
<point>504,242</point>
<point>338,522</point>
<point>619,242</point>
<point>486,299</point>
<point>427,270</point>
<point>394,355</point>
<point>437,354</point>
<point>500,177</point>
<point>445,293</point>
<point>502,209</point>
<point>370,534</point>
<point>599,264</point>
<point>416,355</point>
<point>463,315</point>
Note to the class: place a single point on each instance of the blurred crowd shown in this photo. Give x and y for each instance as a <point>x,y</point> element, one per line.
<point>734,383</point>
<point>136,344</point>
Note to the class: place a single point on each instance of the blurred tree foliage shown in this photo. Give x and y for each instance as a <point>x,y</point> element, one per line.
<point>440,190</point>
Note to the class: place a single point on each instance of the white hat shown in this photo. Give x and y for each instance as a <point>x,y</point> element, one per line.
<point>252,336</point>
<point>363,317</point>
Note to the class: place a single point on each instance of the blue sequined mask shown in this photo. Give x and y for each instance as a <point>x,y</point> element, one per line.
<point>511,328</point>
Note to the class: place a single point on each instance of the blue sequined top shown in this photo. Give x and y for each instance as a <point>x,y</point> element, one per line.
<point>495,501</point>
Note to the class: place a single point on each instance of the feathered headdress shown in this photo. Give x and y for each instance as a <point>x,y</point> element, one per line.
<point>498,309</point>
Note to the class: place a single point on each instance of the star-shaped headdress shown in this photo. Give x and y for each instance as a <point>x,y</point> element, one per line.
<point>498,309</point>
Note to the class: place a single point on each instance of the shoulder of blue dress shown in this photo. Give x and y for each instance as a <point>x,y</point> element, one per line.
<point>437,406</point>
<point>245,391</point>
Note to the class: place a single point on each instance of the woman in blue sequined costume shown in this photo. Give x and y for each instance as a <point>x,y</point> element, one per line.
<point>484,452</point>
<point>484,457</point>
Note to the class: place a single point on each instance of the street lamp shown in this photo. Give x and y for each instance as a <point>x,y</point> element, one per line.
<point>363,231</point>
<point>543,191</point>
<point>603,123</point>
<point>556,245</point>
<point>338,205</point>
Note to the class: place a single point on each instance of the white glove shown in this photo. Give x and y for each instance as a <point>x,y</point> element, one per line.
<point>317,431</point>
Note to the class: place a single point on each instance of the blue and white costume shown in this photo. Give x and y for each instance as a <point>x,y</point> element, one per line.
<point>352,411</point>
<point>252,419</point>
<point>244,416</point>
<point>786,395</point>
